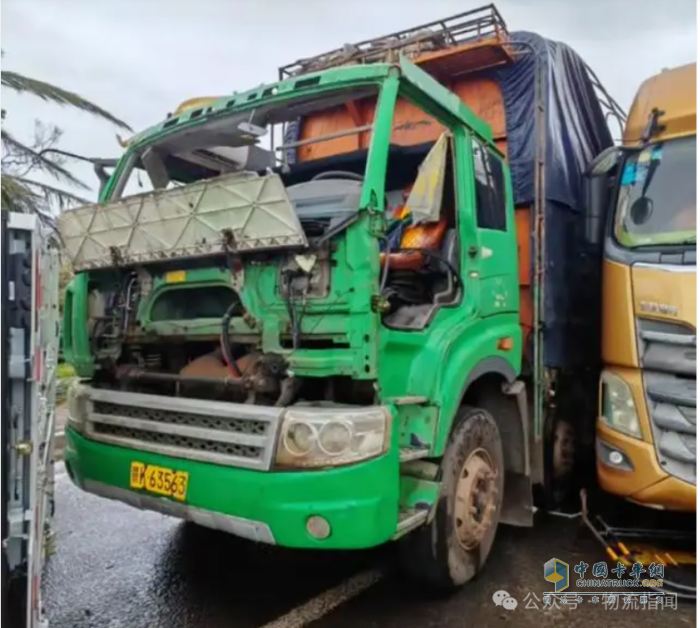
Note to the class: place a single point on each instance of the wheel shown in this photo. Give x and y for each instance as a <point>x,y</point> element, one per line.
<point>563,458</point>
<point>450,550</point>
<point>564,474</point>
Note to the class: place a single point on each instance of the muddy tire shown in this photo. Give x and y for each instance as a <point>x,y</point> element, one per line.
<point>449,551</point>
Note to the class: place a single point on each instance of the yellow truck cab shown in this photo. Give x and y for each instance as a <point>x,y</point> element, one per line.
<point>646,193</point>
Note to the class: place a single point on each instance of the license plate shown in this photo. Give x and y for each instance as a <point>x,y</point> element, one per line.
<point>159,480</point>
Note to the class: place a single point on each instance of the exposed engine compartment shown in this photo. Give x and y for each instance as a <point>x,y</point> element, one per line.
<point>264,293</point>
<point>193,370</point>
<point>124,308</point>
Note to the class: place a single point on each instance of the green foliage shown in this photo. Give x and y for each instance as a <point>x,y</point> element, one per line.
<point>20,191</point>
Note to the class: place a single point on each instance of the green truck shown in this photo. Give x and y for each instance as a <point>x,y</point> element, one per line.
<point>256,353</point>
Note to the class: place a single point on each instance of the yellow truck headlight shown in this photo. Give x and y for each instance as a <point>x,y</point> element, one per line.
<point>77,402</point>
<point>328,437</point>
<point>618,408</point>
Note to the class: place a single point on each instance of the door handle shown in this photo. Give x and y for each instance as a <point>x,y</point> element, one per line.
<point>473,252</point>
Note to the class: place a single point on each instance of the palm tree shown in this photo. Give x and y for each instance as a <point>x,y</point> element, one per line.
<point>21,193</point>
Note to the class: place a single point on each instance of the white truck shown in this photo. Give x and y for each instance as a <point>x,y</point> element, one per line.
<point>30,349</point>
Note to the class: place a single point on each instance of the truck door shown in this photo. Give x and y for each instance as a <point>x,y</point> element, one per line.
<point>496,250</point>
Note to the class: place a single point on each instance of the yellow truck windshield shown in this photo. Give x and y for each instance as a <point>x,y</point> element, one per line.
<point>656,203</point>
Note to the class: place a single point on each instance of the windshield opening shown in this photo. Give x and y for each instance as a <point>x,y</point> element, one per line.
<point>253,141</point>
<point>324,187</point>
<point>656,202</point>
<point>319,146</point>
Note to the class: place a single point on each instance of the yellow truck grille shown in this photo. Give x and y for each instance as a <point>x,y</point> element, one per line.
<point>668,359</point>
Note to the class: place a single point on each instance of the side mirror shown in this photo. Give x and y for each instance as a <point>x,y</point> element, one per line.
<point>598,184</point>
<point>604,162</point>
<point>99,166</point>
<point>597,198</point>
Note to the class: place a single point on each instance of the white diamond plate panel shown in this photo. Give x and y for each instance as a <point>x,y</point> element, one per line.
<point>247,213</point>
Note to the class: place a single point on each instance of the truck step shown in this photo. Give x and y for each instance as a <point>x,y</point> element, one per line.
<point>408,400</point>
<point>410,520</point>
<point>406,454</point>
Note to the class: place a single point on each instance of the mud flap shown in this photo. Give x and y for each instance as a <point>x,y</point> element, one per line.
<point>518,508</point>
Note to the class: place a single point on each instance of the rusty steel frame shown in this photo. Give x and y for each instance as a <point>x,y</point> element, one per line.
<point>480,23</point>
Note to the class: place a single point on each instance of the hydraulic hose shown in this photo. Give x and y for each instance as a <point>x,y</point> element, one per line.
<point>226,343</point>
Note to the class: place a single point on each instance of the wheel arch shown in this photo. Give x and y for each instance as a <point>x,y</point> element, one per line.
<point>493,386</point>
<point>482,375</point>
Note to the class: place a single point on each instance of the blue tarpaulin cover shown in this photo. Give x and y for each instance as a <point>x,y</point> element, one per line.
<point>576,131</point>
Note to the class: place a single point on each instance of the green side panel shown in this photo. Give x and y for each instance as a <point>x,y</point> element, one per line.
<point>417,493</point>
<point>498,264</point>
<point>417,425</point>
<point>360,501</point>
<point>76,339</point>
<point>437,363</point>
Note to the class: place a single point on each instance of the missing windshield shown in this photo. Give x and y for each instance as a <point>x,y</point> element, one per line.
<point>322,168</point>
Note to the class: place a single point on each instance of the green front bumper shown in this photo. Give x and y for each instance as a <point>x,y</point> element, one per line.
<point>361,502</point>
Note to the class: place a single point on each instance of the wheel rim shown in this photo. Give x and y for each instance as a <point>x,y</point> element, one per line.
<point>476,499</point>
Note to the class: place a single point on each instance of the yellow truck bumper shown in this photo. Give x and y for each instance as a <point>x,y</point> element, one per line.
<point>643,481</point>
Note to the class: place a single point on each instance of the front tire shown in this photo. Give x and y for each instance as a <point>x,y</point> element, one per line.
<point>450,550</point>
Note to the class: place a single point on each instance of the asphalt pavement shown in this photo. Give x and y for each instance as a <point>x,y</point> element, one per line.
<point>117,567</point>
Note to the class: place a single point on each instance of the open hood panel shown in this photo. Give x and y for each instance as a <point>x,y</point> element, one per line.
<point>237,212</point>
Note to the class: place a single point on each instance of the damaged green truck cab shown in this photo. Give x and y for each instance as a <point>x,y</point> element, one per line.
<point>340,422</point>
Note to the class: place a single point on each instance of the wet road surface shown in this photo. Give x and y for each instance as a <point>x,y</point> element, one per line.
<point>117,567</point>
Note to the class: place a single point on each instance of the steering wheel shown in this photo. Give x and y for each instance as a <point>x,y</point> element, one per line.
<point>338,174</point>
<point>345,174</point>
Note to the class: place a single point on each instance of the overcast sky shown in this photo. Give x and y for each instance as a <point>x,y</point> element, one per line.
<point>140,58</point>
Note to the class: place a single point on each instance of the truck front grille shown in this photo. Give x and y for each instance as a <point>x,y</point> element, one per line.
<point>244,426</point>
<point>230,434</point>
<point>182,442</point>
<point>668,359</point>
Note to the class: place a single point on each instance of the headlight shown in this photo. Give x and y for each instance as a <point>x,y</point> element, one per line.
<point>76,400</point>
<point>327,437</point>
<point>619,411</point>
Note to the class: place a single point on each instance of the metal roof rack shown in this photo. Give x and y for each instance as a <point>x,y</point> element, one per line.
<point>484,23</point>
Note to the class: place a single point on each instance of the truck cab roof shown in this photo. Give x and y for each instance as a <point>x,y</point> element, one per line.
<point>672,92</point>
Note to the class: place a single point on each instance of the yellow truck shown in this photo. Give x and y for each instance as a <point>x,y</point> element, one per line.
<point>642,204</point>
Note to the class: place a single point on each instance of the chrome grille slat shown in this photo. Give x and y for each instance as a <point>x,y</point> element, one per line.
<point>672,445</point>
<point>689,413</point>
<point>668,358</point>
<point>179,440</point>
<point>684,340</point>
<point>669,417</point>
<point>676,391</point>
<point>244,426</point>
<point>690,443</point>
<point>240,435</point>
<point>186,431</point>
<point>667,347</point>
